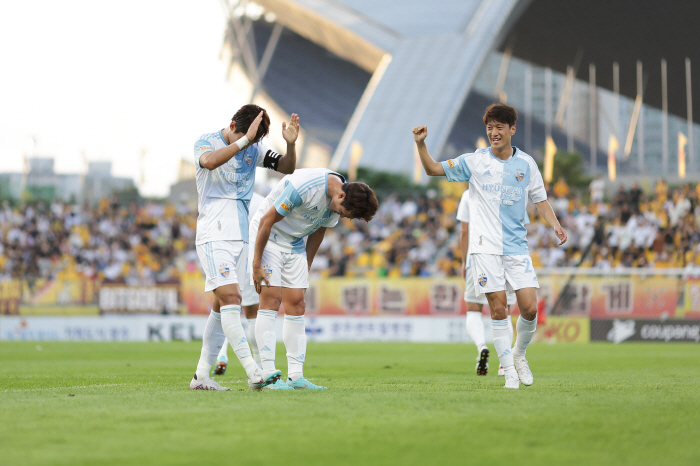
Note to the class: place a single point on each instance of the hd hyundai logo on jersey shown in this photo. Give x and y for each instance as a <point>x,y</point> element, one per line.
<point>482,280</point>
<point>519,175</point>
<point>224,270</point>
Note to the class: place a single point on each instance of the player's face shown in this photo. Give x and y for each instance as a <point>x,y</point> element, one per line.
<point>499,134</point>
<point>337,208</point>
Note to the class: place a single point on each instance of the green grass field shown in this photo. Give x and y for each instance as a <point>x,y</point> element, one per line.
<point>129,403</point>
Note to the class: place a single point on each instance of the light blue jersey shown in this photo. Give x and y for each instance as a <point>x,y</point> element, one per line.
<point>302,199</point>
<point>498,198</point>
<point>224,193</point>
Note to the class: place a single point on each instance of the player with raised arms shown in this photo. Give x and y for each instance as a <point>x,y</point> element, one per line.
<point>225,164</point>
<point>301,207</point>
<point>475,304</point>
<point>501,178</point>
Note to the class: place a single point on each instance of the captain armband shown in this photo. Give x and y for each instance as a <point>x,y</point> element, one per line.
<point>271,160</point>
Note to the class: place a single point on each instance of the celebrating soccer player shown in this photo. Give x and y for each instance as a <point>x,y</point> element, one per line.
<point>301,206</point>
<point>225,162</point>
<point>501,179</point>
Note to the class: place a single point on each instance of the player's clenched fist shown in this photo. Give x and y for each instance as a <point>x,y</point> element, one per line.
<point>420,133</point>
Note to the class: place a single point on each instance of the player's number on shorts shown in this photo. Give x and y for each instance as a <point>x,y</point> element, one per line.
<point>526,261</point>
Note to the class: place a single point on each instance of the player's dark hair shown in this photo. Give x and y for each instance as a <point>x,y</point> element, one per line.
<point>245,116</point>
<point>500,113</point>
<point>360,201</point>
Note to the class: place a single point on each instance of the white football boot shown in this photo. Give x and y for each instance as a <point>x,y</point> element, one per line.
<point>206,384</point>
<point>512,380</point>
<point>255,381</point>
<point>524,372</point>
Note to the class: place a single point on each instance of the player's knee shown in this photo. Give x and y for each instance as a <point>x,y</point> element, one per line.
<point>227,297</point>
<point>295,308</point>
<point>529,312</point>
<point>498,311</point>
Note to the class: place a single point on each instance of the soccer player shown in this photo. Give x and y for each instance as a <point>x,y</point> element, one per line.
<point>475,326</point>
<point>301,207</point>
<point>249,300</point>
<point>225,173</point>
<point>501,178</point>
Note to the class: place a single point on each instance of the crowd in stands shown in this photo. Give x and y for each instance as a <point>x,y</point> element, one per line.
<point>417,236</point>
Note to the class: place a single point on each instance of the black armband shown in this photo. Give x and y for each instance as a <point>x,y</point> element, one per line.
<point>271,160</point>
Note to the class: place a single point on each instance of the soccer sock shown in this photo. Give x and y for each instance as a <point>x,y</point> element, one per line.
<point>510,329</point>
<point>233,329</point>
<point>294,337</point>
<point>475,328</point>
<point>250,331</point>
<point>265,333</point>
<point>212,340</point>
<point>224,349</point>
<point>501,342</point>
<point>526,330</point>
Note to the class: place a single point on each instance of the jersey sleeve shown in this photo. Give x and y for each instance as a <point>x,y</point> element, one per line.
<point>287,200</point>
<point>457,169</point>
<point>463,209</point>
<point>201,147</point>
<point>535,187</point>
<point>267,158</point>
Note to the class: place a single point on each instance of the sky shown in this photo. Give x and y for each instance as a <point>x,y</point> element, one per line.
<point>111,80</point>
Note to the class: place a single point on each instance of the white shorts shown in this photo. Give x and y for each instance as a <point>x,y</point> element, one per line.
<point>282,268</point>
<point>470,291</point>
<point>498,273</point>
<point>249,296</point>
<point>220,261</point>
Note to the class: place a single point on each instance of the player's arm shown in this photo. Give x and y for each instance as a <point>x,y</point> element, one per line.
<point>290,132</point>
<point>313,242</point>
<point>214,159</point>
<point>464,246</point>
<point>546,211</point>
<point>266,221</point>
<point>432,168</point>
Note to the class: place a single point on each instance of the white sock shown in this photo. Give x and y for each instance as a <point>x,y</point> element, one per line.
<point>233,329</point>
<point>501,342</point>
<point>224,349</point>
<point>526,330</point>
<point>250,331</point>
<point>510,329</point>
<point>265,333</point>
<point>212,340</point>
<point>294,337</point>
<point>475,328</point>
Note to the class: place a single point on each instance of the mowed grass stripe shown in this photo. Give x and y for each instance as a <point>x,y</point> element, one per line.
<point>387,403</point>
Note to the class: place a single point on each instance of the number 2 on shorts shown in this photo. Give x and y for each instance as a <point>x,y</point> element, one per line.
<point>526,261</point>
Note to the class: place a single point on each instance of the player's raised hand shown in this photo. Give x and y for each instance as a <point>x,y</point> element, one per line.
<point>252,132</point>
<point>420,133</point>
<point>259,277</point>
<point>290,131</point>
<point>561,234</point>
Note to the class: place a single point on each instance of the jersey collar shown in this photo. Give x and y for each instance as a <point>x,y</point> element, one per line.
<point>515,152</point>
<point>222,136</point>
<point>342,178</point>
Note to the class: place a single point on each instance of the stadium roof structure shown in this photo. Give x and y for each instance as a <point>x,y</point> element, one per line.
<point>401,63</point>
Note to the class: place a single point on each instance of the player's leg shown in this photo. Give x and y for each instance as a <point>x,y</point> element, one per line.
<point>265,323</point>
<point>521,277</point>
<point>213,336</point>
<point>251,313</point>
<point>250,302</point>
<point>510,300</point>
<point>222,358</point>
<point>475,324</point>
<point>295,282</point>
<point>526,326</point>
<point>490,279</point>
